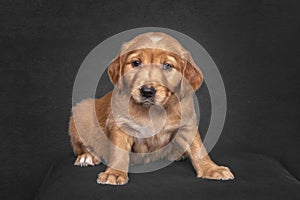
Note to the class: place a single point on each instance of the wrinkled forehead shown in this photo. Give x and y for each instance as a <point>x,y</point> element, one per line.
<point>154,40</point>
<point>151,54</point>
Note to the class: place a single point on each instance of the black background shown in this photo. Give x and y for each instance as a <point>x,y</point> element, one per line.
<point>255,45</point>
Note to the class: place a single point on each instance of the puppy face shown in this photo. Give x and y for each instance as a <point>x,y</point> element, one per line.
<point>153,74</point>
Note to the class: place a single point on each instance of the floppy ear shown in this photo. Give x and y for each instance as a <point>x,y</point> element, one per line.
<point>192,72</point>
<point>114,70</point>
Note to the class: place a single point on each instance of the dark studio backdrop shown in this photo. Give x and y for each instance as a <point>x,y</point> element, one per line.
<point>255,45</point>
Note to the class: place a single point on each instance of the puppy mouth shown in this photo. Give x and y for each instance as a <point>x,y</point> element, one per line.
<point>144,94</point>
<point>147,101</point>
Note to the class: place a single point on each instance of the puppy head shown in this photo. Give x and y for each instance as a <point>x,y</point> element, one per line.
<point>152,66</point>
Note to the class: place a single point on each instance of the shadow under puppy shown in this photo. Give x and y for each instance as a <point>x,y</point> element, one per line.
<point>149,115</point>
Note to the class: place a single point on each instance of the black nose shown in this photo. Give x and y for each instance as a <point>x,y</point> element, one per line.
<point>147,91</point>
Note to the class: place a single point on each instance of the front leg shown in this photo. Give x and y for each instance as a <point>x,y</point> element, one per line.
<point>117,171</point>
<point>203,165</point>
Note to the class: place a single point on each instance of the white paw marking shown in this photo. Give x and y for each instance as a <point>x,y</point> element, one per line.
<point>82,159</point>
<point>85,159</point>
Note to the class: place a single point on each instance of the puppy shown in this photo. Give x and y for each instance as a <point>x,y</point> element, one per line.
<point>149,116</point>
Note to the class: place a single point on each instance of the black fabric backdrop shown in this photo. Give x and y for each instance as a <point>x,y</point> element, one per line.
<point>255,45</point>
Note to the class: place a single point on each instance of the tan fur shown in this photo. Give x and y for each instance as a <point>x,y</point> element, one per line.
<point>152,50</point>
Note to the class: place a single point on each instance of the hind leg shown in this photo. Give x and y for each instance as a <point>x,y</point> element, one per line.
<point>84,157</point>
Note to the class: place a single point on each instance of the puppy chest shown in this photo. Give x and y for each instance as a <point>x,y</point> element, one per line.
<point>144,145</point>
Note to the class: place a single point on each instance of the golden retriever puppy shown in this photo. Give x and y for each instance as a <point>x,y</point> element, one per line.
<point>150,108</point>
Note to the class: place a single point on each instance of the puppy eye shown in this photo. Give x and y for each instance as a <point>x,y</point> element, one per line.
<point>166,66</point>
<point>136,63</point>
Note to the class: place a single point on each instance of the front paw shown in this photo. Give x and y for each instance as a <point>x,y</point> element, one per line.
<point>217,173</point>
<point>112,177</point>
